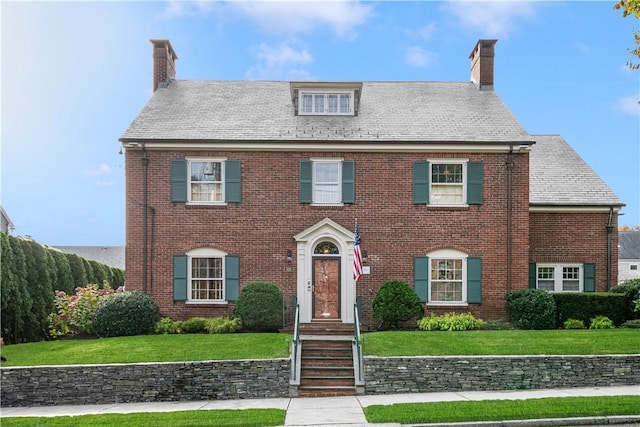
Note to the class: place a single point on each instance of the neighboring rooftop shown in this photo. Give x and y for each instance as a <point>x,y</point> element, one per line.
<point>558,176</point>
<point>629,245</point>
<point>113,256</point>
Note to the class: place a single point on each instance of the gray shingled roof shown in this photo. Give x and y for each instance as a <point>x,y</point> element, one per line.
<point>559,176</point>
<point>113,256</point>
<point>263,111</point>
<point>629,245</point>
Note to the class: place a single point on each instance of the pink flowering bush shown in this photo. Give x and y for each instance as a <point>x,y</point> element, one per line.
<point>75,313</point>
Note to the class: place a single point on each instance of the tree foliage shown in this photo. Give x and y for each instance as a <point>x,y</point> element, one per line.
<point>631,8</point>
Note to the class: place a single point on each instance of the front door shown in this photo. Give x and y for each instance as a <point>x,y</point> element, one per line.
<point>326,288</point>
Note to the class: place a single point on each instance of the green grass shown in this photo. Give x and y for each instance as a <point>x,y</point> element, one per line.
<point>504,342</point>
<point>498,410</point>
<point>215,417</point>
<point>148,348</point>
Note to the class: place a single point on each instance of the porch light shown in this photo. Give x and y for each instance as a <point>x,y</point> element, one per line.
<point>364,256</point>
<point>289,255</point>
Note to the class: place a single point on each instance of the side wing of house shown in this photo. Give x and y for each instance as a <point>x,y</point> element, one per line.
<point>573,222</point>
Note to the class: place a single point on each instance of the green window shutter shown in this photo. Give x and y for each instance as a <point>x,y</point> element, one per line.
<point>475,174</point>
<point>232,181</point>
<point>474,280</point>
<point>421,183</point>
<point>306,181</point>
<point>180,277</point>
<point>589,277</point>
<point>421,277</point>
<point>178,180</point>
<point>348,181</point>
<point>533,274</point>
<point>232,277</point>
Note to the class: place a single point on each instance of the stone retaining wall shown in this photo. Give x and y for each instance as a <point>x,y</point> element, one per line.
<point>437,374</point>
<point>251,379</point>
<point>144,382</point>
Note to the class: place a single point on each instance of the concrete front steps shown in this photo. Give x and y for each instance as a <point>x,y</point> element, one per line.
<point>326,365</point>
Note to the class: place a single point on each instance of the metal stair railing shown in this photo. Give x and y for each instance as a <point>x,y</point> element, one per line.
<point>296,350</point>
<point>358,364</point>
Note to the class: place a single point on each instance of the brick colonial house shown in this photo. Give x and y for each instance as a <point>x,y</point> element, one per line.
<point>229,182</point>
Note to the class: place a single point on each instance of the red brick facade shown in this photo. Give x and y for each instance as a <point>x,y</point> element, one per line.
<point>394,230</point>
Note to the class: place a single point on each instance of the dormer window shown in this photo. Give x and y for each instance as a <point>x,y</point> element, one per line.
<point>325,103</point>
<point>326,98</point>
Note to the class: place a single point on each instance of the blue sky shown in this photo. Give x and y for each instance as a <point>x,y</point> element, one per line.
<point>75,74</point>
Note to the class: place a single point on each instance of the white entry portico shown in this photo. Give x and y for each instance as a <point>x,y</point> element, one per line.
<point>325,231</point>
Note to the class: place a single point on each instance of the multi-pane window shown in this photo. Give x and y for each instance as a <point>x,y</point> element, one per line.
<point>447,183</point>
<point>559,278</point>
<point>326,103</point>
<point>326,182</point>
<point>206,179</point>
<point>207,279</point>
<point>446,280</point>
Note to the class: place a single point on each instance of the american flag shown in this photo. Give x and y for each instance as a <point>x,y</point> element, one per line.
<point>357,257</point>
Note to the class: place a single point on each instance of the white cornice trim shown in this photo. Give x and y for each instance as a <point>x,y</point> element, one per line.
<point>391,147</point>
<point>574,209</point>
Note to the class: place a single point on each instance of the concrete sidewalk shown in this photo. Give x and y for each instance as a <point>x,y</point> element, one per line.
<point>344,411</point>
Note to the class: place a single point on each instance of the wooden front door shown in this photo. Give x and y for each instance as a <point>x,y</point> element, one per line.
<point>326,288</point>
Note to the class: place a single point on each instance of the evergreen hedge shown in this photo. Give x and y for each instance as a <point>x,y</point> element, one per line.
<point>30,275</point>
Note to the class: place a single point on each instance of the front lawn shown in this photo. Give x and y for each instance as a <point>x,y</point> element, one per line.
<point>504,342</point>
<point>500,410</point>
<point>149,348</point>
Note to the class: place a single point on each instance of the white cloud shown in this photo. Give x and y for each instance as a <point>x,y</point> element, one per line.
<point>424,33</point>
<point>419,57</point>
<point>492,19</point>
<point>180,8</point>
<point>293,17</point>
<point>629,105</point>
<point>102,170</point>
<point>279,62</point>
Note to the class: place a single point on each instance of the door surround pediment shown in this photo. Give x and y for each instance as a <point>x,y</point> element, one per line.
<point>326,227</point>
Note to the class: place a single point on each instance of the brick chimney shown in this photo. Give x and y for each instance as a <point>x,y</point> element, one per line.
<point>164,62</point>
<point>482,64</point>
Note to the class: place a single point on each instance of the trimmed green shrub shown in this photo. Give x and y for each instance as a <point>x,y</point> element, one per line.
<point>573,324</point>
<point>587,305</point>
<point>396,302</point>
<point>531,309</point>
<point>601,322</point>
<point>259,307</point>
<point>167,326</point>
<point>450,322</point>
<point>631,290</point>
<point>222,325</point>
<point>194,325</point>
<point>125,314</point>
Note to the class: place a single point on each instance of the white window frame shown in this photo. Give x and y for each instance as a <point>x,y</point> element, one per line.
<point>205,253</point>
<point>315,183</point>
<point>325,110</point>
<point>558,279</point>
<point>190,161</point>
<point>449,254</point>
<point>432,194</point>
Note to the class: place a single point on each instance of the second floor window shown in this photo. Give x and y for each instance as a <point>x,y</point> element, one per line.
<point>205,178</point>
<point>450,182</point>
<point>327,181</point>
<point>206,181</point>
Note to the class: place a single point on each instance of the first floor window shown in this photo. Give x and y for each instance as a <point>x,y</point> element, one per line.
<point>559,277</point>
<point>446,279</point>
<point>207,279</point>
<point>206,275</point>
